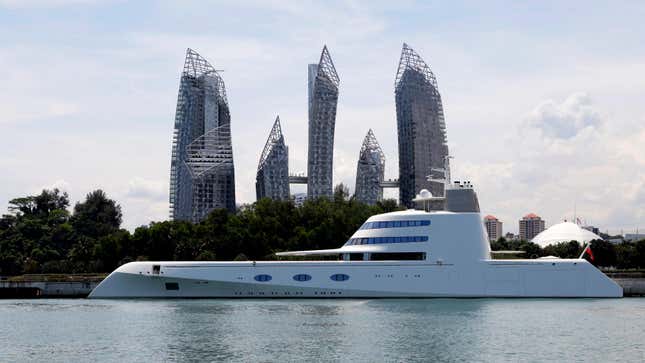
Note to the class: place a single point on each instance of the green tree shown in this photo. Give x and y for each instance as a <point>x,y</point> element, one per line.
<point>571,249</point>
<point>97,216</point>
<point>37,232</point>
<point>603,252</point>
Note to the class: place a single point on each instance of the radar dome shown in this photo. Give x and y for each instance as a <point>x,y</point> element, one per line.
<point>425,193</point>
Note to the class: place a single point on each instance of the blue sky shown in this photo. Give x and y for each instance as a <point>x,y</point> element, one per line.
<point>543,100</point>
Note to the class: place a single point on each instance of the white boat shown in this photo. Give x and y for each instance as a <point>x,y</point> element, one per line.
<point>413,253</point>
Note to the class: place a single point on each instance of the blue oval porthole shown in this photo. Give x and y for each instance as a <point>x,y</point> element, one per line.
<point>263,278</point>
<point>302,277</point>
<point>339,277</point>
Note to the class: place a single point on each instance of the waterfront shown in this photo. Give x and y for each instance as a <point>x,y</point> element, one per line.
<point>323,330</point>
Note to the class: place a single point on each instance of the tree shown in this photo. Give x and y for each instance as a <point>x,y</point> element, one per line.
<point>36,233</point>
<point>40,205</point>
<point>603,252</point>
<point>341,192</point>
<point>97,216</point>
<point>571,249</point>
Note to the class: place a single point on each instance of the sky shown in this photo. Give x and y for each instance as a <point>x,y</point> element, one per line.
<point>544,101</point>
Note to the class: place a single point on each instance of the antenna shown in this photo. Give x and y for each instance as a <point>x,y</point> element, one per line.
<point>575,201</point>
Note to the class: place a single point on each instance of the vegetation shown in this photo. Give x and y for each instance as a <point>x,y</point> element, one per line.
<point>40,235</point>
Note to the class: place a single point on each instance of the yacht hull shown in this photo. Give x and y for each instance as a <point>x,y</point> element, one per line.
<point>364,279</point>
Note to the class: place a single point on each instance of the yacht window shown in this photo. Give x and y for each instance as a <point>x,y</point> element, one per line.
<point>302,277</point>
<point>262,278</point>
<point>398,256</point>
<point>394,224</point>
<point>172,286</point>
<point>382,240</point>
<point>356,256</point>
<point>339,277</point>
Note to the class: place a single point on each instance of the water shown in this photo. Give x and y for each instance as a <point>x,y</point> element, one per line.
<point>493,330</point>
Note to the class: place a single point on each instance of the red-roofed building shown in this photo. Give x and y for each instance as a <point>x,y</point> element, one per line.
<point>530,226</point>
<point>493,227</point>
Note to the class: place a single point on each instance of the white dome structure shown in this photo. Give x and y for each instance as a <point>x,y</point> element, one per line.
<point>564,232</point>
<point>424,194</point>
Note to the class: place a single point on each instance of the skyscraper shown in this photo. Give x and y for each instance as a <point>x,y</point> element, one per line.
<point>530,226</point>
<point>370,171</point>
<point>323,98</point>
<point>423,149</point>
<point>202,176</point>
<point>272,179</point>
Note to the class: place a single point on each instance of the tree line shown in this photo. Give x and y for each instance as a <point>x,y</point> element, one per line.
<point>41,235</point>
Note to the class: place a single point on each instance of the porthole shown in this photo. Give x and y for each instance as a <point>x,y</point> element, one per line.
<point>302,277</point>
<point>262,278</point>
<point>339,277</point>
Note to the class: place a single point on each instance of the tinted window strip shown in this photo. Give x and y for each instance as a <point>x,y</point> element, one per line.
<point>381,240</point>
<point>395,224</point>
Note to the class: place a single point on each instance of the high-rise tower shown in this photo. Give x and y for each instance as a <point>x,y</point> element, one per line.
<point>202,176</point>
<point>272,179</point>
<point>530,226</point>
<point>423,149</point>
<point>370,171</point>
<point>323,98</point>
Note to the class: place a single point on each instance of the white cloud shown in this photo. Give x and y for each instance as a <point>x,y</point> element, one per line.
<point>567,155</point>
<point>59,184</point>
<point>567,119</point>
<point>153,190</point>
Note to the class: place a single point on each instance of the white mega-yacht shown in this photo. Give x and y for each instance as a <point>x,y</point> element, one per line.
<point>412,253</point>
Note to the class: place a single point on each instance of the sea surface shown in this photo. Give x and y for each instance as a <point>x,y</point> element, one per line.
<point>389,330</point>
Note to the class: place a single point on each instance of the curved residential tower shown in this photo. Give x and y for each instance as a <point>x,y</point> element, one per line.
<point>202,175</point>
<point>370,171</point>
<point>323,98</point>
<point>272,180</point>
<point>423,149</point>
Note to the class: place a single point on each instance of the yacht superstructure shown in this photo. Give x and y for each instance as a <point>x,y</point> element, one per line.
<point>413,253</point>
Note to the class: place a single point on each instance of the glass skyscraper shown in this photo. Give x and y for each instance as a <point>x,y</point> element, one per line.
<point>370,171</point>
<point>423,149</point>
<point>202,176</point>
<point>272,178</point>
<point>323,98</point>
